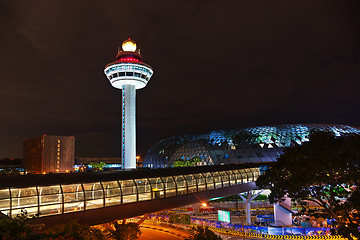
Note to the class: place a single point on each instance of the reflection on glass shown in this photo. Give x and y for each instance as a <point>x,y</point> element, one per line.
<point>50,194</point>
<point>200,182</point>
<point>93,195</point>
<point>170,186</point>
<point>4,204</point>
<point>4,193</point>
<point>143,188</point>
<point>128,191</point>
<point>73,197</point>
<point>50,209</point>
<point>181,185</point>
<point>209,181</point>
<point>256,173</point>
<point>243,175</point>
<point>191,182</point>
<point>249,175</point>
<point>232,177</point>
<point>112,193</point>
<point>225,178</point>
<point>24,198</point>
<point>238,176</point>
<point>217,180</point>
<point>157,188</point>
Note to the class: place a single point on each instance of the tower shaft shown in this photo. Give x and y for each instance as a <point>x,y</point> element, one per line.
<point>128,127</point>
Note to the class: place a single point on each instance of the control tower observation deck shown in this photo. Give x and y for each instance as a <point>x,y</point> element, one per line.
<point>128,73</point>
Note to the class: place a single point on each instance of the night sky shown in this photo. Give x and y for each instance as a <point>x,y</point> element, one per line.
<point>217,65</point>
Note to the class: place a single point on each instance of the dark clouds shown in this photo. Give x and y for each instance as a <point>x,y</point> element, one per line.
<point>218,65</point>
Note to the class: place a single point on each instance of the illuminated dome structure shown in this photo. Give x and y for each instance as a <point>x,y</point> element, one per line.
<point>256,144</point>
<point>128,73</point>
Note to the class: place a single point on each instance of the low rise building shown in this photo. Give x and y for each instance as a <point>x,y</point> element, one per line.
<point>49,154</point>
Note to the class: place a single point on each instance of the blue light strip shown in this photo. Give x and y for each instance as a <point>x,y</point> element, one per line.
<point>123,128</point>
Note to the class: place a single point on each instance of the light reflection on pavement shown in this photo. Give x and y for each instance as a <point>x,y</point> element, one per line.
<point>148,233</point>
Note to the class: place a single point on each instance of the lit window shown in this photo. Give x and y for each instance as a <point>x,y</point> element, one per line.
<point>58,140</point>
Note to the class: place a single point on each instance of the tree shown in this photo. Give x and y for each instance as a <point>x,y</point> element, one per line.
<point>325,170</point>
<point>74,231</point>
<point>186,163</point>
<point>203,233</point>
<point>97,166</point>
<point>9,171</point>
<point>125,231</point>
<point>19,227</point>
<point>179,163</point>
<point>195,160</point>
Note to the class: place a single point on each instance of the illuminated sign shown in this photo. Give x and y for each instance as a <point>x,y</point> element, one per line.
<point>224,216</point>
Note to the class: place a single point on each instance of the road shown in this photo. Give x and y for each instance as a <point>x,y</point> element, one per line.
<point>148,233</point>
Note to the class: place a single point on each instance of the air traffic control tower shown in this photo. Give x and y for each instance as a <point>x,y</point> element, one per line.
<point>128,73</point>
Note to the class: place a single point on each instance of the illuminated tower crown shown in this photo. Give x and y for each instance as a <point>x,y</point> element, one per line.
<point>128,73</point>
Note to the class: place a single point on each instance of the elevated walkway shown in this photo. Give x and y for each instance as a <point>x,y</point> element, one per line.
<point>103,197</point>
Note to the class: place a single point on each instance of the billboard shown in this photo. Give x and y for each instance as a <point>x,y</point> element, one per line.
<point>224,216</point>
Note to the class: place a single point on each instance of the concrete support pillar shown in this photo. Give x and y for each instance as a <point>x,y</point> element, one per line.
<point>248,201</point>
<point>128,138</point>
<point>237,204</point>
<point>283,213</point>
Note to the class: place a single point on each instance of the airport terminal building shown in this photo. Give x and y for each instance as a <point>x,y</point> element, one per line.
<point>246,145</point>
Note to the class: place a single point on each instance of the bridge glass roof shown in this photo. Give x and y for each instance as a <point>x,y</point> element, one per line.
<point>62,198</point>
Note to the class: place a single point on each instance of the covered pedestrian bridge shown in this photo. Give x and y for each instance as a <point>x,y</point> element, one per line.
<point>95,198</point>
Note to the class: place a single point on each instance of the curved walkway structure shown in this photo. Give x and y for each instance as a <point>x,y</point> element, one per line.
<point>95,198</point>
